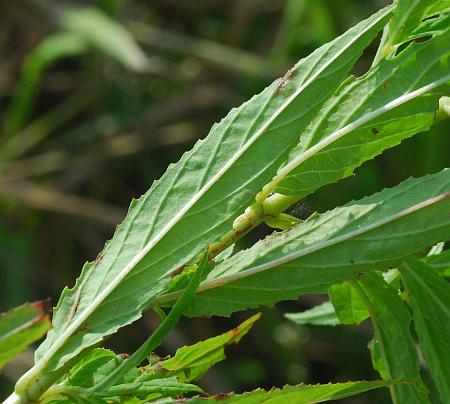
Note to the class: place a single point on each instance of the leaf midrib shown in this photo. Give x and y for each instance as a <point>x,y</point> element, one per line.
<point>221,281</point>
<point>78,321</point>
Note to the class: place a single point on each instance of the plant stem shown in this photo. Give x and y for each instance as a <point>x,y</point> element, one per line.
<point>156,338</point>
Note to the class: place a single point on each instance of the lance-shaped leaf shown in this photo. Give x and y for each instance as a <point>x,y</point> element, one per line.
<point>101,31</point>
<point>191,362</point>
<point>21,326</point>
<point>432,26</point>
<point>196,201</point>
<point>373,233</point>
<point>52,48</point>
<point>429,297</point>
<point>439,7</point>
<point>394,343</point>
<point>394,100</point>
<point>322,314</point>
<point>406,17</point>
<point>301,394</point>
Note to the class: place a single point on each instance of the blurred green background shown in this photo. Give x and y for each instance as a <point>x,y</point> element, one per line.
<point>97,98</point>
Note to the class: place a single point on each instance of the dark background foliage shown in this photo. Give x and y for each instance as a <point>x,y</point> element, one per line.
<point>101,133</point>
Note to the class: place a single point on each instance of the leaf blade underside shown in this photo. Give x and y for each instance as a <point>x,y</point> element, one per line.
<point>218,178</point>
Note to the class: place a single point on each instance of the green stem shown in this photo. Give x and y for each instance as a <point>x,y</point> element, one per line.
<point>381,47</point>
<point>156,338</point>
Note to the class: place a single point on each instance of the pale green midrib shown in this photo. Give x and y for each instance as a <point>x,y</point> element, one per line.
<point>335,136</point>
<point>317,126</point>
<point>59,342</point>
<point>394,193</point>
<point>22,327</point>
<point>213,283</point>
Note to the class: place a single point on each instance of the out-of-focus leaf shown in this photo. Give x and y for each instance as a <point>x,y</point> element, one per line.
<point>48,51</point>
<point>374,233</point>
<point>322,314</point>
<point>101,31</point>
<point>301,394</point>
<point>429,297</point>
<point>20,327</point>
<point>350,308</point>
<point>395,352</point>
<point>191,362</point>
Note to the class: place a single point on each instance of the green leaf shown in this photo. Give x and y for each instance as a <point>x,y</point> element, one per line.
<point>429,297</point>
<point>439,7</point>
<point>406,17</point>
<point>101,31</point>
<point>301,394</point>
<point>394,100</point>
<point>20,327</point>
<point>52,48</point>
<point>158,335</point>
<point>322,314</point>
<point>169,386</point>
<point>88,371</point>
<point>394,344</point>
<point>349,306</point>
<point>191,362</point>
<point>373,233</point>
<point>195,203</point>
<point>432,26</point>
<point>440,262</point>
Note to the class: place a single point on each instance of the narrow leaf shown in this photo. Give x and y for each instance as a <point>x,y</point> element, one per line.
<point>52,48</point>
<point>101,31</point>
<point>391,320</point>
<point>395,100</point>
<point>212,184</point>
<point>376,232</point>
<point>191,362</point>
<point>301,394</point>
<point>439,7</point>
<point>350,308</point>
<point>406,17</point>
<point>429,297</point>
<point>20,327</point>
<point>323,314</point>
<point>158,335</point>
<point>432,26</point>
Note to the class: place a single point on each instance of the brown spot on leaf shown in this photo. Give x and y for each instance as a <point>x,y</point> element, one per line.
<point>285,80</point>
<point>385,85</point>
<point>98,259</point>
<point>375,131</point>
